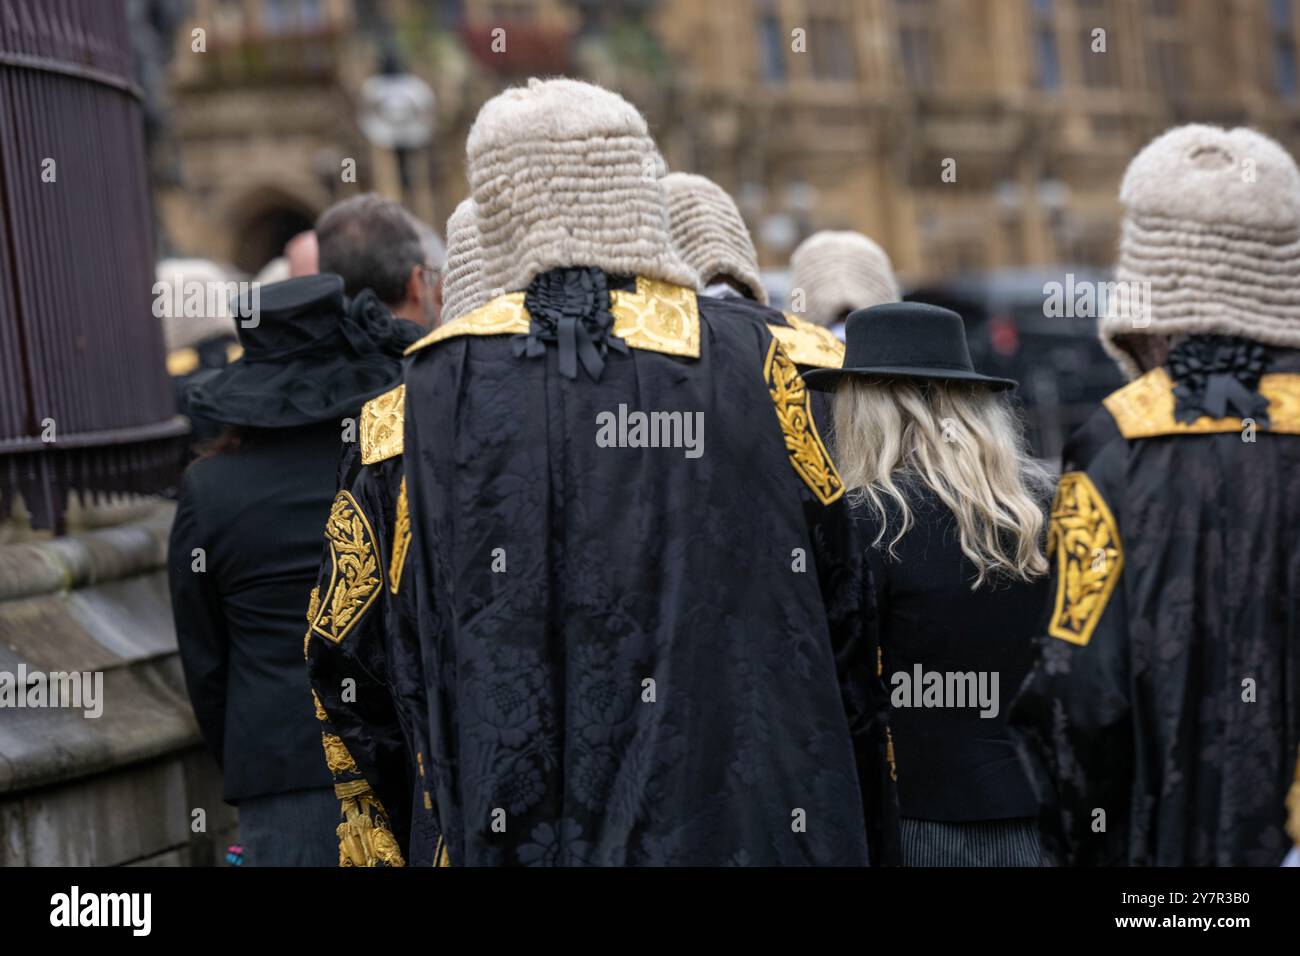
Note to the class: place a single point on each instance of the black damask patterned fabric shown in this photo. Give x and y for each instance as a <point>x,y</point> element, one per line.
<point>634,657</point>
<point>381,717</point>
<point>1176,725</point>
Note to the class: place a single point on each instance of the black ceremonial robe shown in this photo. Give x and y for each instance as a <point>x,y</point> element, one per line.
<point>637,655</point>
<point>361,630</point>
<point>1162,718</point>
<point>809,346</point>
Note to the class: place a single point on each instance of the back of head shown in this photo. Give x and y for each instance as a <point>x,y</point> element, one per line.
<point>710,234</point>
<point>372,243</point>
<point>839,272</point>
<point>565,173</point>
<point>462,287</point>
<point>964,443</point>
<point>1210,243</point>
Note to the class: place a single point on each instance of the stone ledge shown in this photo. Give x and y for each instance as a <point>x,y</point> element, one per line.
<point>43,567</point>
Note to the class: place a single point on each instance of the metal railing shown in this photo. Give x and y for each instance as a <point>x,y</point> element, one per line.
<point>85,401</point>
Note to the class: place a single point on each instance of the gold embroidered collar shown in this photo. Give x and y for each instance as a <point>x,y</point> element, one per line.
<point>380,430</point>
<point>1145,408</point>
<point>657,317</point>
<point>809,345</point>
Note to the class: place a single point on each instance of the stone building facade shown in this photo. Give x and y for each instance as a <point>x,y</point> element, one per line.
<point>814,113</point>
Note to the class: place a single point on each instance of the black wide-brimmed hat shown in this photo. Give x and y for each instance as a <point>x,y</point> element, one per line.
<point>904,340</point>
<point>310,355</point>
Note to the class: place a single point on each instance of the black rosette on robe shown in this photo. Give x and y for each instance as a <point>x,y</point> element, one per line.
<point>570,308</point>
<point>1218,376</point>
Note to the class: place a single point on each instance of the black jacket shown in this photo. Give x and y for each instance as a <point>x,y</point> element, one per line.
<point>1162,718</point>
<point>953,764</point>
<point>257,513</point>
<point>635,656</point>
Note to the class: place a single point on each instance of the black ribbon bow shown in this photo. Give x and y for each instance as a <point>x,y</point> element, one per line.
<point>570,308</point>
<point>1218,376</point>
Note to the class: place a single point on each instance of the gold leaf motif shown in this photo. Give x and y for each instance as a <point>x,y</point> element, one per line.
<point>337,757</point>
<point>1089,557</point>
<point>401,540</point>
<point>657,317</point>
<point>354,573</point>
<point>381,426</point>
<point>320,708</point>
<point>793,406</point>
<point>807,344</point>
<point>1144,408</point>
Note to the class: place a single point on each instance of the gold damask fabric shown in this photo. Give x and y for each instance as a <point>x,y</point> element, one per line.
<point>1145,407</point>
<point>381,426</point>
<point>793,404</point>
<point>354,575</point>
<point>401,540</point>
<point>657,317</point>
<point>809,345</point>
<point>1084,540</point>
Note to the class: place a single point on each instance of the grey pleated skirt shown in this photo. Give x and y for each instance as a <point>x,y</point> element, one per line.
<point>1011,842</point>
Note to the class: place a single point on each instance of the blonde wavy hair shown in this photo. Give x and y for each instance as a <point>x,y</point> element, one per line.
<point>966,444</point>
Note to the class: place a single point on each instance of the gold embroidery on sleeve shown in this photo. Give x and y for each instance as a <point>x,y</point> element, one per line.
<point>320,709</point>
<point>401,540</point>
<point>354,577</point>
<point>807,344</point>
<point>364,836</point>
<point>381,426</point>
<point>793,405</point>
<point>1089,557</point>
<point>313,606</point>
<point>337,757</point>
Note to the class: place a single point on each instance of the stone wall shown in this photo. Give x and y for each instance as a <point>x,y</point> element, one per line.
<point>122,788</point>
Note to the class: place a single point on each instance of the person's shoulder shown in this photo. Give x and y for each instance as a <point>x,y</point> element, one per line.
<point>748,310</point>
<point>1088,442</point>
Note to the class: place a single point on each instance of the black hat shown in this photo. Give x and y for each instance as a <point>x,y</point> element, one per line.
<point>905,340</point>
<point>310,356</point>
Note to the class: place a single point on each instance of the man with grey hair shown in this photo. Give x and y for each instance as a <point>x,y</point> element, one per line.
<point>373,243</point>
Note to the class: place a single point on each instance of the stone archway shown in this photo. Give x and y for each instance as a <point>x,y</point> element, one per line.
<point>262,221</point>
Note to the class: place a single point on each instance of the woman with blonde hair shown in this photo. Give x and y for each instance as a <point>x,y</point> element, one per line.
<point>951,510</point>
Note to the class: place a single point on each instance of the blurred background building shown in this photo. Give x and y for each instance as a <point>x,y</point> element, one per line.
<point>814,113</point>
